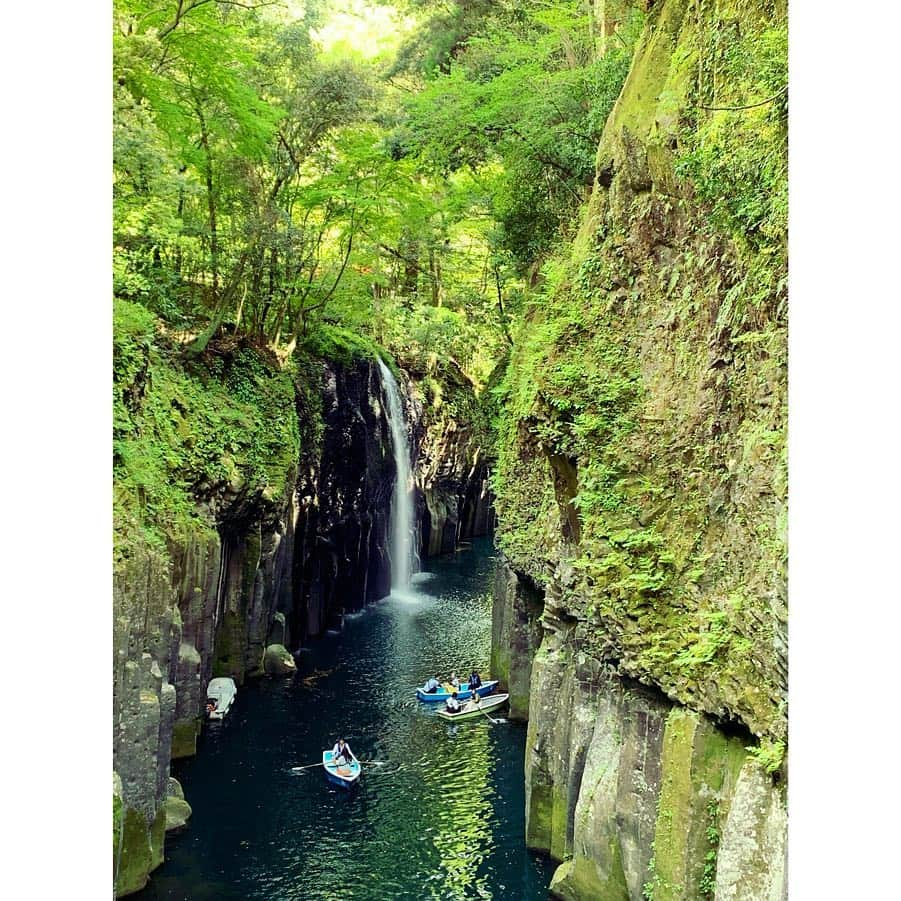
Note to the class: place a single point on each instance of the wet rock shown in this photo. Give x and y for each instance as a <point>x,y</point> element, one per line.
<point>178,811</point>
<point>277,661</point>
<point>174,789</point>
<point>278,630</point>
<point>515,635</point>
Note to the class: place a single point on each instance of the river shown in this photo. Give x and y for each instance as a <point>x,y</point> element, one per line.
<point>443,815</point>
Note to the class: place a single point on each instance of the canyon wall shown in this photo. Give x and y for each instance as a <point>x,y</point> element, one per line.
<point>453,453</point>
<point>641,615</point>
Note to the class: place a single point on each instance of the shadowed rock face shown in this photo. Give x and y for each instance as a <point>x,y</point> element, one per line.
<point>343,504</point>
<point>452,452</point>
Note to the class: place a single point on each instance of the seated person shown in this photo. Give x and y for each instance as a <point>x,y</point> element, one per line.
<point>474,703</point>
<point>452,704</point>
<point>342,754</point>
<point>210,706</point>
<point>454,681</point>
<point>432,685</point>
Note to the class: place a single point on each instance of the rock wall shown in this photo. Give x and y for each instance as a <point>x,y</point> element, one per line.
<point>201,608</point>
<point>249,572</point>
<point>343,503</point>
<point>453,459</point>
<point>642,487</point>
<point>638,797</point>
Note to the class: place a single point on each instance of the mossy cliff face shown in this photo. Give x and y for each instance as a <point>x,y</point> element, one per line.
<point>641,479</point>
<point>205,455</point>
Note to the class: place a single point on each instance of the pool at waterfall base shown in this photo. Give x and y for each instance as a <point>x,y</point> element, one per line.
<point>439,814</point>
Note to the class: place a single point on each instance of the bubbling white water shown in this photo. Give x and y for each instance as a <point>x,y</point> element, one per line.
<point>400,547</point>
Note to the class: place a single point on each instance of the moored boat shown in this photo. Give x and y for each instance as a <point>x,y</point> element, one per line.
<point>344,775</point>
<point>463,692</point>
<point>220,694</point>
<point>494,702</point>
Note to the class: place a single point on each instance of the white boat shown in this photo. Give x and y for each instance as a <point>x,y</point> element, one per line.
<point>345,774</point>
<point>220,693</point>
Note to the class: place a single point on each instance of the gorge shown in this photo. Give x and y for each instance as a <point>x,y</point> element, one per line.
<point>360,326</point>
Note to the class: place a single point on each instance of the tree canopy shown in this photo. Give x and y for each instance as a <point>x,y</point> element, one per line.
<point>270,177</point>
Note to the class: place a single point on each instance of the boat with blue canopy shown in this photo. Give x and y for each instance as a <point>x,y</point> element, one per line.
<point>464,693</point>
<point>344,775</point>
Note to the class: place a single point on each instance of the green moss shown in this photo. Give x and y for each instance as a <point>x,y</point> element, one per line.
<point>540,817</point>
<point>158,838</point>
<point>674,805</point>
<point>185,432</point>
<point>332,342</point>
<point>135,857</point>
<point>561,846</point>
<point>642,432</point>
<point>184,738</point>
<point>230,647</point>
<point>117,828</point>
<point>579,878</point>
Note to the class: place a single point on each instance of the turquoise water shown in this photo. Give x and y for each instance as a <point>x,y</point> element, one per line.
<point>440,816</point>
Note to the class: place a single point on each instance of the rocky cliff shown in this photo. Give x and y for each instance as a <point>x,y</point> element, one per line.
<point>641,485</point>
<point>252,504</point>
<point>453,456</point>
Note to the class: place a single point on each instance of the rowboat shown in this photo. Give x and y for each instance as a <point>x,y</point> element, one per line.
<point>344,775</point>
<point>489,704</point>
<point>463,692</point>
<point>220,694</point>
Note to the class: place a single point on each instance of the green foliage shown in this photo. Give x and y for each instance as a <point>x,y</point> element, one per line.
<point>331,342</point>
<point>184,435</point>
<point>737,158</point>
<point>525,90</point>
<point>769,754</point>
<point>707,883</point>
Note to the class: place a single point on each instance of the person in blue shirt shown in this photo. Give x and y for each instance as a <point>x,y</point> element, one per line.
<point>431,686</point>
<point>475,680</point>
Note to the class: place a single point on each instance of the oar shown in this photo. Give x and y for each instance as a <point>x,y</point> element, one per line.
<point>493,720</point>
<point>297,769</point>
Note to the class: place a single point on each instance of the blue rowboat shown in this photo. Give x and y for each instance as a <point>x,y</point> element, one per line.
<point>344,775</point>
<point>463,692</point>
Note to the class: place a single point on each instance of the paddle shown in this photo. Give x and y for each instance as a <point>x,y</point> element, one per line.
<point>297,769</point>
<point>493,720</point>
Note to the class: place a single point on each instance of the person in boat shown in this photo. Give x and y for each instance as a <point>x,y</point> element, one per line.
<point>210,706</point>
<point>453,704</point>
<point>342,754</point>
<point>475,680</point>
<point>432,685</point>
<point>454,681</point>
<point>474,703</point>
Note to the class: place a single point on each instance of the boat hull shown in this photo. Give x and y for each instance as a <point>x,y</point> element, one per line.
<point>464,694</point>
<point>493,703</point>
<point>343,776</point>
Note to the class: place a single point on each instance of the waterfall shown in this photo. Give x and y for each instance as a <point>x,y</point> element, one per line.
<point>400,548</point>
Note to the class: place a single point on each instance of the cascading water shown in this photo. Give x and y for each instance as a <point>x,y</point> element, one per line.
<point>401,544</point>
